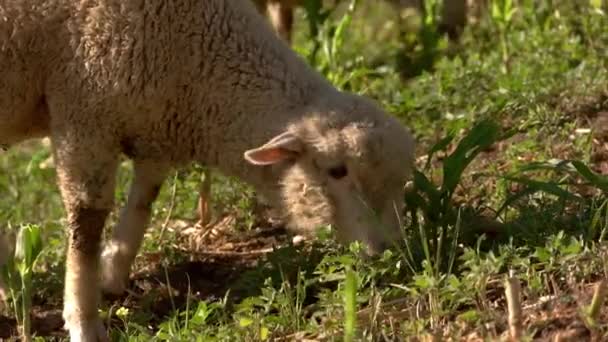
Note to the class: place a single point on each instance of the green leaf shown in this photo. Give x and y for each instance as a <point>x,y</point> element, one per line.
<point>595,220</point>
<point>573,248</point>
<point>264,332</point>
<point>422,282</point>
<point>547,187</point>
<point>542,254</point>
<point>514,198</point>
<point>245,322</point>
<point>495,10</point>
<point>441,145</point>
<point>470,316</point>
<point>344,23</point>
<point>595,179</point>
<point>415,201</point>
<point>481,136</point>
<point>424,184</point>
<point>29,245</point>
<point>552,165</point>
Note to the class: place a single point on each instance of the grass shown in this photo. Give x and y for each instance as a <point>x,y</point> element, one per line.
<point>512,148</point>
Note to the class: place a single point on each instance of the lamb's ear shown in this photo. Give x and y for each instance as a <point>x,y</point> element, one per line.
<point>280,148</point>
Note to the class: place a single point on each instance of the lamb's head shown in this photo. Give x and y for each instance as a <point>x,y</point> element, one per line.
<point>345,167</point>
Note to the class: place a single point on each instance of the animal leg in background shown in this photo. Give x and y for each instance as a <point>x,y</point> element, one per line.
<point>119,254</point>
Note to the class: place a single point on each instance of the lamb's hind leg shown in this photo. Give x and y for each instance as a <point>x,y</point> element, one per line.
<point>5,250</point>
<point>281,16</point>
<point>86,174</point>
<point>119,254</point>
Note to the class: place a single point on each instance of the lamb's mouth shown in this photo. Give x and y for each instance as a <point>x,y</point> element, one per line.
<point>4,147</point>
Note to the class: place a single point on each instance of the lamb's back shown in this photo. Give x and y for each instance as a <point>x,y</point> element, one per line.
<point>176,75</point>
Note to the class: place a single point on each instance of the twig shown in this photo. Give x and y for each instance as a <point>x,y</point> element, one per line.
<point>171,206</point>
<point>364,314</point>
<point>204,191</point>
<point>233,253</point>
<point>512,291</point>
<point>169,288</point>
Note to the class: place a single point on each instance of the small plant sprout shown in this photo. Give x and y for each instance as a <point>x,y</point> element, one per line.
<point>591,313</point>
<point>350,305</point>
<point>18,273</point>
<point>502,15</point>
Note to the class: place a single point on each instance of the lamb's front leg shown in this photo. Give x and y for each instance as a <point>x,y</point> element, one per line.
<point>86,174</point>
<point>81,298</point>
<point>119,254</point>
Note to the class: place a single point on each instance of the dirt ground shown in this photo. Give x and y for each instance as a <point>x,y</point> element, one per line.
<point>210,271</point>
<point>215,256</point>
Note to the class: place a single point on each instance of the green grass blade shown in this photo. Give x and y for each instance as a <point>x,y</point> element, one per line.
<point>481,136</point>
<point>350,305</point>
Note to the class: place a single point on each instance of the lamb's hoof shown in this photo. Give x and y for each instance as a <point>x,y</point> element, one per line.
<point>113,278</point>
<point>3,292</point>
<point>87,331</point>
<point>298,240</point>
<point>113,285</point>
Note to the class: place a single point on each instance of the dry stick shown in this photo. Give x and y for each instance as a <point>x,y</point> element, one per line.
<point>597,301</point>
<point>171,205</point>
<point>169,288</point>
<point>204,213</point>
<point>234,253</point>
<point>512,291</point>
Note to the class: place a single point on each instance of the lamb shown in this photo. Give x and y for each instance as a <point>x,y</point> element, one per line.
<point>170,83</point>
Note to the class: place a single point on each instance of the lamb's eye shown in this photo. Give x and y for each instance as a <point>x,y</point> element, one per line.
<point>338,172</point>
